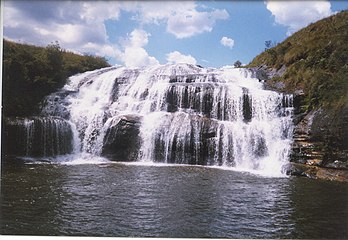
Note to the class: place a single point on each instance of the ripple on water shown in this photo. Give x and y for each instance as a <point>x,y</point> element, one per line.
<point>133,200</point>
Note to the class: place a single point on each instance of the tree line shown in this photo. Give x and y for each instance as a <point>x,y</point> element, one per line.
<point>30,73</point>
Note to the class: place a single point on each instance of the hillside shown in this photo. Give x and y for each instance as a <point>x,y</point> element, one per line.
<point>313,65</point>
<point>30,73</point>
<point>315,61</point>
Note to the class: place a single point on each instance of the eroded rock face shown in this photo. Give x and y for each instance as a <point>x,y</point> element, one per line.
<point>315,172</point>
<point>263,73</point>
<point>122,140</point>
<point>305,148</point>
<point>320,148</point>
<point>320,138</point>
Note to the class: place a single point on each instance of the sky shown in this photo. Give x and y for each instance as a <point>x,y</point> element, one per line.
<point>143,33</point>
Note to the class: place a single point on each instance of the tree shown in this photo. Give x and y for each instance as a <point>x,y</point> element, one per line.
<point>268,44</point>
<point>237,64</point>
<point>54,55</point>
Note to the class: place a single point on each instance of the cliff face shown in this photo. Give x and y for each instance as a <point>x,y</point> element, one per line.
<point>312,64</point>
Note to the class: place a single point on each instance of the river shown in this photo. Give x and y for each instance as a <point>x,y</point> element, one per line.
<point>161,200</point>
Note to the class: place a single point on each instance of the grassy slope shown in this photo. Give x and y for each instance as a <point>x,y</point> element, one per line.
<point>316,60</point>
<point>30,73</point>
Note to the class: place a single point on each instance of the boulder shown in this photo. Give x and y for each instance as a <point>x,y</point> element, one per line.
<point>122,140</point>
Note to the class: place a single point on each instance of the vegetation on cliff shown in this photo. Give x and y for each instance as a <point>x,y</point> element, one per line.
<point>30,73</point>
<point>315,60</point>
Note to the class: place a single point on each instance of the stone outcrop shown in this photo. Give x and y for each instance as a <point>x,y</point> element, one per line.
<point>320,138</point>
<point>122,140</point>
<point>306,149</point>
<point>263,73</point>
<point>315,172</point>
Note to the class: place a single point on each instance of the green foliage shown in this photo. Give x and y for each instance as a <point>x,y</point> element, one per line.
<point>237,64</point>
<point>269,44</point>
<point>316,59</point>
<point>30,73</point>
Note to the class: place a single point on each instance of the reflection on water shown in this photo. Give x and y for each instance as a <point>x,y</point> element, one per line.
<point>167,201</point>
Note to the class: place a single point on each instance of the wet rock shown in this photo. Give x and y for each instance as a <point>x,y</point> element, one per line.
<point>194,142</point>
<point>247,108</point>
<point>337,165</point>
<point>122,140</point>
<point>36,136</point>
<point>321,137</point>
<point>56,104</point>
<point>315,172</point>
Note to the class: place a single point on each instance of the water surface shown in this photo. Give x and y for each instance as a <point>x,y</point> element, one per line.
<point>121,200</point>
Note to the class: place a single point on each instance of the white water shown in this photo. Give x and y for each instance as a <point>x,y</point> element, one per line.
<point>190,115</point>
<point>41,136</point>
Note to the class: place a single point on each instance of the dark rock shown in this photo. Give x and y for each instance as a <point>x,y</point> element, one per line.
<point>315,172</point>
<point>247,107</point>
<point>337,165</point>
<point>260,73</point>
<point>264,73</point>
<point>122,140</point>
<point>320,145</point>
<point>190,97</point>
<point>208,135</point>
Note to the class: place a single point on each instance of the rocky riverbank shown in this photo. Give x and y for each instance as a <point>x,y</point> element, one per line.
<point>316,172</point>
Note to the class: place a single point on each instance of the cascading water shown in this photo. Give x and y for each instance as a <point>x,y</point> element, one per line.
<point>39,136</point>
<point>178,114</point>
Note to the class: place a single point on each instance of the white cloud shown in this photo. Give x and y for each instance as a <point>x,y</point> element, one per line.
<point>298,14</point>
<point>182,17</point>
<point>138,57</point>
<point>77,26</point>
<point>102,49</point>
<point>177,57</point>
<point>155,12</point>
<point>100,11</point>
<point>138,38</point>
<point>227,42</point>
<point>190,23</point>
<point>134,54</point>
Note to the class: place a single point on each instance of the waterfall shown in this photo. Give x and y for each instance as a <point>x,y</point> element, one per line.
<point>179,113</point>
<point>39,136</point>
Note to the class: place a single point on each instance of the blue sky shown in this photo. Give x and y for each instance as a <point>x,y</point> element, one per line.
<point>135,34</point>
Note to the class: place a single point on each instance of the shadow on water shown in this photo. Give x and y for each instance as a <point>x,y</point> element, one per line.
<point>320,208</point>
<point>166,201</point>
